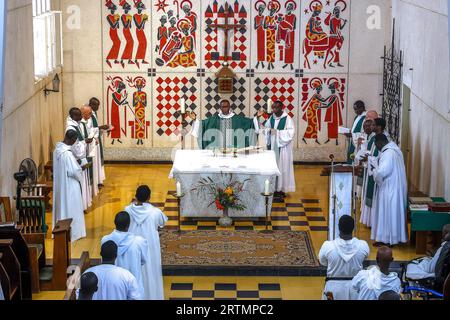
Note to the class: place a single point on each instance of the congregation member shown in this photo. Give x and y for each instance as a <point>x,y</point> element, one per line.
<point>279,132</point>
<point>94,103</point>
<point>425,268</point>
<point>88,286</point>
<point>67,180</point>
<point>145,222</point>
<point>389,210</point>
<point>91,148</point>
<point>132,252</point>
<point>114,283</point>
<point>371,283</point>
<point>360,109</point>
<point>343,258</point>
<point>79,150</point>
<point>390,296</point>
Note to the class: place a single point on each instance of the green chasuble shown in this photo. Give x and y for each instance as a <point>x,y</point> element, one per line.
<point>241,132</point>
<point>281,126</point>
<point>351,147</point>
<point>100,142</point>
<point>370,189</point>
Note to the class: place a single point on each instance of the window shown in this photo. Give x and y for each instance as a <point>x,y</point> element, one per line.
<point>44,34</point>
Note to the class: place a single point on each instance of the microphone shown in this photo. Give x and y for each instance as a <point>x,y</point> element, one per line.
<point>331,156</point>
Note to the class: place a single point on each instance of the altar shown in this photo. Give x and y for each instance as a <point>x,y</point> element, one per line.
<point>190,166</point>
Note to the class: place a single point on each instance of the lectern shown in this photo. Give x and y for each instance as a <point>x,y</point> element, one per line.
<point>341,200</point>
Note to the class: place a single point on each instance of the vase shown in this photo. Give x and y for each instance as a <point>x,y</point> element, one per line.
<point>225,221</point>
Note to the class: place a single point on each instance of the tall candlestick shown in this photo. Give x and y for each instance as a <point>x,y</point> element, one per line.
<point>267,187</point>
<point>269,105</point>
<point>178,189</point>
<point>183,106</point>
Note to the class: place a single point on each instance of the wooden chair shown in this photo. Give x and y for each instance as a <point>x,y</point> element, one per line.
<point>5,210</point>
<point>9,271</point>
<point>80,268</point>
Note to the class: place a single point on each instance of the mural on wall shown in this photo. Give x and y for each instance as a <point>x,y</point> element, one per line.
<point>176,27</point>
<point>127,34</point>
<point>322,107</point>
<point>325,29</point>
<point>161,52</point>
<point>276,34</point>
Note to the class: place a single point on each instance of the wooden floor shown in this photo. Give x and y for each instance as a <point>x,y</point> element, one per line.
<point>118,192</point>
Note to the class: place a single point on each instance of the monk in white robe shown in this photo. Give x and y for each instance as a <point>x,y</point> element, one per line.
<point>145,222</point>
<point>132,251</point>
<point>79,150</point>
<point>279,132</point>
<point>67,179</point>
<point>343,258</point>
<point>389,212</point>
<point>425,268</point>
<point>114,283</point>
<point>94,103</point>
<point>91,149</point>
<point>371,283</point>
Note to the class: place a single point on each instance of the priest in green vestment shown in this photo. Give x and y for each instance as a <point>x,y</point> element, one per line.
<point>225,129</point>
<point>360,110</point>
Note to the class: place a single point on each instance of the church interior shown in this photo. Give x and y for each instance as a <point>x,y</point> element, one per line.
<point>346,112</point>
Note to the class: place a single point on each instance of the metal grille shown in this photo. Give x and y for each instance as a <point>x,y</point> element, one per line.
<point>392,88</point>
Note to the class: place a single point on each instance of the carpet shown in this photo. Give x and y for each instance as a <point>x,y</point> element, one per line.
<point>248,249</point>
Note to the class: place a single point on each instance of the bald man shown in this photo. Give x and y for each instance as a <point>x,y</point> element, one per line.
<point>372,114</point>
<point>425,267</point>
<point>371,283</point>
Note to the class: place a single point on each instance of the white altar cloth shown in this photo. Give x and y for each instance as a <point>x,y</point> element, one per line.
<point>192,165</point>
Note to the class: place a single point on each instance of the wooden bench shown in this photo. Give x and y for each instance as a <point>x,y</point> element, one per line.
<point>9,271</point>
<point>5,210</point>
<point>79,269</point>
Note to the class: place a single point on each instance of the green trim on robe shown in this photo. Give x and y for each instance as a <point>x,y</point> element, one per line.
<point>281,124</point>
<point>80,135</point>
<point>237,122</point>
<point>351,147</point>
<point>370,189</point>
<point>100,142</point>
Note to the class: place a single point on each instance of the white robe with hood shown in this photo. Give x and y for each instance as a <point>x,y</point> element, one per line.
<point>98,159</point>
<point>67,197</point>
<point>371,283</point>
<point>390,200</point>
<point>132,253</point>
<point>423,268</point>
<point>343,259</point>
<point>145,221</point>
<point>91,151</point>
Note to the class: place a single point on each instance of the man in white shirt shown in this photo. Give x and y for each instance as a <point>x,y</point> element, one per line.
<point>114,283</point>
<point>88,286</point>
<point>425,268</point>
<point>343,258</point>
<point>132,251</point>
<point>371,283</point>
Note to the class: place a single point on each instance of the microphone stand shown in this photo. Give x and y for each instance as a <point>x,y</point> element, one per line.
<point>334,198</point>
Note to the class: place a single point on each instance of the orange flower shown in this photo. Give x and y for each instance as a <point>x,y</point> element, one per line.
<point>228,191</point>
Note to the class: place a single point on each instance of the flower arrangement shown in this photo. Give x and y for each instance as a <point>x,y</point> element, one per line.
<point>226,195</point>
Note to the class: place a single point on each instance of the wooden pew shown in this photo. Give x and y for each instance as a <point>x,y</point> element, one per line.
<point>21,251</point>
<point>5,210</point>
<point>9,271</point>
<point>79,269</point>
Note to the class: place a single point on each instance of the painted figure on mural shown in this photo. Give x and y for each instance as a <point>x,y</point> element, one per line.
<point>139,124</point>
<point>270,25</point>
<point>186,6</point>
<point>173,26</point>
<point>186,56</point>
<point>118,99</point>
<point>114,25</point>
<point>260,6</point>
<point>291,24</point>
<point>162,35</point>
<point>314,30</point>
<point>312,112</point>
<point>334,107</point>
<point>336,25</point>
<point>127,22</point>
<point>171,49</point>
<point>140,20</point>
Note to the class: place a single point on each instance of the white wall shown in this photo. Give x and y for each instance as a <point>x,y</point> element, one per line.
<point>422,32</point>
<point>32,124</point>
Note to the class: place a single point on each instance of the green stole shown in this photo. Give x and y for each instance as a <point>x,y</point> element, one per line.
<point>281,126</point>
<point>79,134</point>
<point>237,122</point>
<point>81,138</point>
<point>100,142</point>
<point>351,147</point>
<point>370,189</point>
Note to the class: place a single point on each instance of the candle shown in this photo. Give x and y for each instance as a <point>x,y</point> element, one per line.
<point>269,106</point>
<point>267,188</point>
<point>178,189</point>
<point>183,106</point>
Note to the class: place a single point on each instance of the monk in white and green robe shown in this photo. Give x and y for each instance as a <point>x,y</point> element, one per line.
<point>94,103</point>
<point>355,133</point>
<point>225,129</point>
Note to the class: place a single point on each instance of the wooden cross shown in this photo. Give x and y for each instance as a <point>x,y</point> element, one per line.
<point>226,26</point>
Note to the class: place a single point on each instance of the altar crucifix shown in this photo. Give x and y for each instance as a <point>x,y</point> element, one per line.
<point>226,74</point>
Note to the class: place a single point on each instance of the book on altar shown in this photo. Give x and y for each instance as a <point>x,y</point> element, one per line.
<point>343,130</point>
